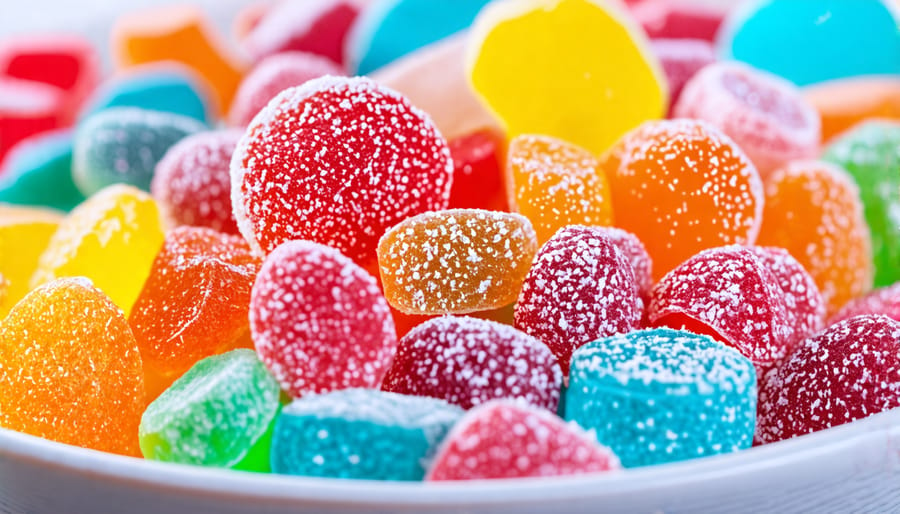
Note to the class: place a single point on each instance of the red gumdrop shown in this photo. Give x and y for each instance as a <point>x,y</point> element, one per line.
<point>636,254</point>
<point>681,59</point>
<point>478,160</point>
<point>679,20</point>
<point>580,288</point>
<point>319,321</point>
<point>469,361</point>
<point>192,182</point>
<point>27,108</point>
<point>505,439</point>
<point>337,161</point>
<point>273,75</point>
<point>884,301</point>
<point>729,294</point>
<point>847,372</point>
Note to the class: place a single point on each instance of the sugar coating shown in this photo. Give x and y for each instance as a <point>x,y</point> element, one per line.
<point>337,161</point>
<point>319,321</point>
<point>681,59</point>
<point>362,434</point>
<point>884,301</point>
<point>636,254</point>
<point>213,414</point>
<point>192,182</point>
<point>657,396</point>
<point>469,361</point>
<point>507,439</point>
<point>70,369</point>
<point>555,184</point>
<point>123,145</point>
<point>847,372</point>
<point>456,261</point>
<point>580,288</point>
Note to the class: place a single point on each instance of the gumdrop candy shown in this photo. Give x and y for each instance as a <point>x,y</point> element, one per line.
<point>38,171</point>
<point>478,167</point>
<point>506,439</point>
<point>115,226</point>
<point>192,182</point>
<point>71,370</point>
<point>819,39</point>
<point>871,154</point>
<point>194,303</point>
<point>24,234</point>
<point>813,211</point>
<point>319,321</point>
<point>469,361</point>
<point>563,85</point>
<point>214,414</point>
<point>361,434</point>
<point>389,29</point>
<point>680,20</point>
<point>123,145</point>
<point>636,254</point>
<point>555,184</point>
<point>842,104</point>
<point>681,59</point>
<point>658,396</point>
<point>884,301</point>
<point>580,288</point>
<point>683,186</point>
<point>456,261</point>
<point>847,372</point>
<point>27,108</point>
<point>380,159</point>
<point>764,114</point>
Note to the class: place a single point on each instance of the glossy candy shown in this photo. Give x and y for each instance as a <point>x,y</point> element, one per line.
<point>662,395</point>
<point>842,104</point>
<point>478,167</point>
<point>27,108</point>
<point>455,261</point>
<point>38,171</point>
<point>362,434</point>
<point>24,234</point>
<point>681,59</point>
<point>884,301</point>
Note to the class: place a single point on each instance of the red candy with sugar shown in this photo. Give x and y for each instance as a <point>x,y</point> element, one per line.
<point>636,254</point>
<point>337,161</point>
<point>478,160</point>
<point>504,439</point>
<point>681,59</point>
<point>468,361</point>
<point>884,301</point>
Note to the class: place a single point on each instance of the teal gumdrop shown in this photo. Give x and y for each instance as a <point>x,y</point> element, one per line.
<point>662,395</point>
<point>214,415</point>
<point>870,152</point>
<point>123,145</point>
<point>389,29</point>
<point>361,434</point>
<point>811,41</point>
<point>38,171</point>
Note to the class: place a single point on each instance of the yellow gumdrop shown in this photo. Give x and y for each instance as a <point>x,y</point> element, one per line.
<point>24,233</point>
<point>112,239</point>
<point>578,70</point>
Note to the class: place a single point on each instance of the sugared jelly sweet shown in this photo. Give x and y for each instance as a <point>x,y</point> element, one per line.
<point>842,104</point>
<point>478,167</point>
<point>662,395</point>
<point>635,253</point>
<point>456,261</point>
<point>70,369</point>
<point>337,161</point>
<point>38,171</point>
<point>24,234</point>
<point>680,20</point>
<point>681,59</point>
<point>884,301</point>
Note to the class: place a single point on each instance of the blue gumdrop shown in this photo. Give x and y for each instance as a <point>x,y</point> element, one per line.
<point>663,395</point>
<point>390,29</point>
<point>811,41</point>
<point>38,171</point>
<point>362,434</point>
<point>166,88</point>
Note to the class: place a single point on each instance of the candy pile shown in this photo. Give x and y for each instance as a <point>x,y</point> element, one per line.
<point>492,257</point>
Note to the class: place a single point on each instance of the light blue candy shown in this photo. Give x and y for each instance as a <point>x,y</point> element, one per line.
<point>811,41</point>
<point>39,172</point>
<point>360,433</point>
<point>390,29</point>
<point>662,395</point>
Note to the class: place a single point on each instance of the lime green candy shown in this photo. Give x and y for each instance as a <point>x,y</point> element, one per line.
<point>220,414</point>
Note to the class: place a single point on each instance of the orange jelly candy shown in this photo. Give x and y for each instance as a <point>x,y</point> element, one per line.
<point>681,187</point>
<point>814,212</point>
<point>556,184</point>
<point>71,370</point>
<point>844,103</point>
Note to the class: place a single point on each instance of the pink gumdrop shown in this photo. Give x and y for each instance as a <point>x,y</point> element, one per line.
<point>684,19</point>
<point>681,59</point>
<point>272,76</point>
<point>504,439</point>
<point>27,108</point>
<point>319,322</point>
<point>847,372</point>
<point>478,168</point>
<point>764,114</point>
<point>469,361</point>
<point>580,288</point>
<point>192,183</point>
<point>636,254</point>
<point>884,301</point>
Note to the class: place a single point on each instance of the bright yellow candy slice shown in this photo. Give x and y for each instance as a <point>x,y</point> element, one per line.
<point>112,239</point>
<point>578,70</point>
<point>24,233</point>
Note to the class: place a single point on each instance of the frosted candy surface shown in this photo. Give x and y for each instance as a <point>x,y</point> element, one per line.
<point>884,301</point>
<point>681,59</point>
<point>636,254</point>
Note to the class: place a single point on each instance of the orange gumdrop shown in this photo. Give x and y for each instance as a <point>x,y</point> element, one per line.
<point>844,103</point>
<point>71,370</point>
<point>181,34</point>
<point>194,304</point>
<point>814,212</point>
<point>681,187</point>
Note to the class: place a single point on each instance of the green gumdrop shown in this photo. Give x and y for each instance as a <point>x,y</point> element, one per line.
<point>214,415</point>
<point>39,172</point>
<point>258,458</point>
<point>870,152</point>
